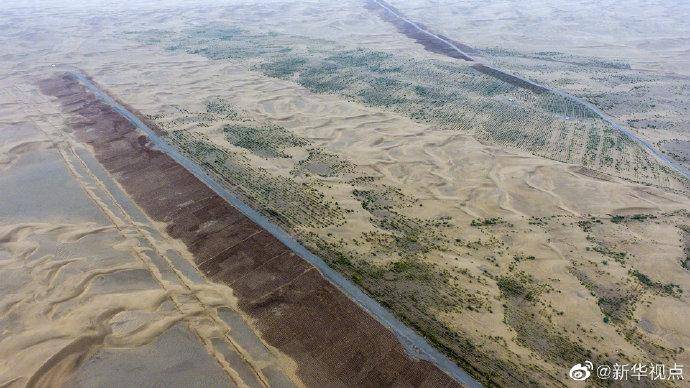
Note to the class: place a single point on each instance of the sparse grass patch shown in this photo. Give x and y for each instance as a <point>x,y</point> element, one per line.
<point>291,203</point>
<point>620,257</point>
<point>586,225</point>
<point>264,140</point>
<point>452,96</point>
<point>324,164</point>
<point>486,221</point>
<point>663,288</point>
<point>617,219</point>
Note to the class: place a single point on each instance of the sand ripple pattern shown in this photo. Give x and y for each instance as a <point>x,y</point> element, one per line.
<point>70,290</point>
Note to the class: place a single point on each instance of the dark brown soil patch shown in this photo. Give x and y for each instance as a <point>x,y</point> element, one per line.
<point>429,42</point>
<point>511,79</point>
<point>333,341</point>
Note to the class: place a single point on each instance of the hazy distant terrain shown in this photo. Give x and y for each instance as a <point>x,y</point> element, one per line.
<point>517,230</point>
<point>631,59</point>
<point>648,36</point>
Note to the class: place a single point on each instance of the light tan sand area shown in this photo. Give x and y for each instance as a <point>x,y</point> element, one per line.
<point>490,247</point>
<point>516,232</point>
<point>91,292</point>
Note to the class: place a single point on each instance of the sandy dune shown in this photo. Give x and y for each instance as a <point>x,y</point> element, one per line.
<point>92,292</point>
<point>516,266</point>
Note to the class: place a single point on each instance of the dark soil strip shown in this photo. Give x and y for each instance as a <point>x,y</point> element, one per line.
<point>440,44</point>
<point>412,30</point>
<point>511,79</point>
<point>333,341</point>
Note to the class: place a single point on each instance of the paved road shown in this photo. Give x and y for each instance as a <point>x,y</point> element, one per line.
<point>665,160</point>
<point>414,344</point>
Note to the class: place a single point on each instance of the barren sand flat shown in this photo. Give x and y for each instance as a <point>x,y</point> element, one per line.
<point>93,292</point>
<point>517,258</point>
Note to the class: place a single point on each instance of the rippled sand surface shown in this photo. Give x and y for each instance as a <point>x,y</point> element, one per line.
<point>92,293</point>
<point>521,266</point>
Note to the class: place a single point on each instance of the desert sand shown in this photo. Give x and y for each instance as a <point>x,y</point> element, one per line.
<point>90,282</point>
<point>515,263</point>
